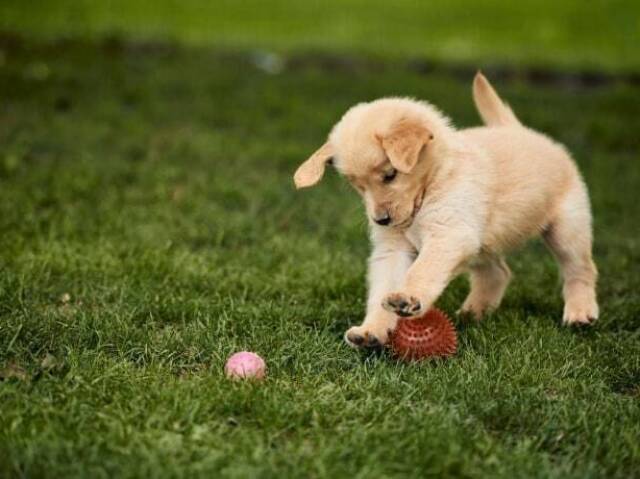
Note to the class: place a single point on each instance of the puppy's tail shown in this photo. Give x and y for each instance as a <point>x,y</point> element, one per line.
<point>492,109</point>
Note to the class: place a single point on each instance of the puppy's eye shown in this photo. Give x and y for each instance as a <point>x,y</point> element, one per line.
<point>389,176</point>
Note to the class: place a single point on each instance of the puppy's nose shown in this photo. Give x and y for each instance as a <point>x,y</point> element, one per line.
<point>383,220</point>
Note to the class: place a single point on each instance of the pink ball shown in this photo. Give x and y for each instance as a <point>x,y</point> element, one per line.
<point>245,365</point>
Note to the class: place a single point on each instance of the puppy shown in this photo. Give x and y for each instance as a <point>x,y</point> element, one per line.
<point>442,201</point>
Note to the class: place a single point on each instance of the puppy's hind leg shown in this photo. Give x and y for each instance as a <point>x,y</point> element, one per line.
<point>489,279</point>
<point>569,238</point>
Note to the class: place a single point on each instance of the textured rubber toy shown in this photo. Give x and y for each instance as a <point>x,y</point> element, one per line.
<point>431,335</point>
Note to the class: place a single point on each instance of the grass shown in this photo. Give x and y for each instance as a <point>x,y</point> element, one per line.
<point>602,34</point>
<point>150,228</point>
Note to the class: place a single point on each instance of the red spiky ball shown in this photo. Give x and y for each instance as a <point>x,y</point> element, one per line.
<point>431,335</point>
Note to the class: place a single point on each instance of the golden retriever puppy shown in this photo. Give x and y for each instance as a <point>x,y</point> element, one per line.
<point>442,201</point>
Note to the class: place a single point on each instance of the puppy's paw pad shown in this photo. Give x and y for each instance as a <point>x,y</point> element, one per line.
<point>359,337</point>
<point>403,304</point>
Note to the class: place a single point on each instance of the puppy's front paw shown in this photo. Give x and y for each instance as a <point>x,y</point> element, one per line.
<point>580,313</point>
<point>367,337</point>
<point>403,305</point>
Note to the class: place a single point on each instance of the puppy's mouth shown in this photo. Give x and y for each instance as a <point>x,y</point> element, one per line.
<point>417,204</point>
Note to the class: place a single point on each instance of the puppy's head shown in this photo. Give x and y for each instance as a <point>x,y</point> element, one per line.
<point>385,149</point>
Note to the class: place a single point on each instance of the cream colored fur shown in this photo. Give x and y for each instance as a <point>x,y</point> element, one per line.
<point>459,200</point>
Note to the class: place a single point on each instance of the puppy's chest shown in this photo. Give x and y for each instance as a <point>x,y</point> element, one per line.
<point>413,236</point>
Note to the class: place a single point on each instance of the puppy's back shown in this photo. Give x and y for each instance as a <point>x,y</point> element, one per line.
<point>530,175</point>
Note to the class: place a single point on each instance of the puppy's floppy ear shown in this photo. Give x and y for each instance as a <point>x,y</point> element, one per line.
<point>403,144</point>
<point>310,172</point>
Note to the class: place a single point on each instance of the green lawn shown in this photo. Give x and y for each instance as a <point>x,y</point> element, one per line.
<point>571,33</point>
<point>152,185</point>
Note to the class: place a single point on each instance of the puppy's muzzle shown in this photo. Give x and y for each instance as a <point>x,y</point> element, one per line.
<point>383,220</point>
